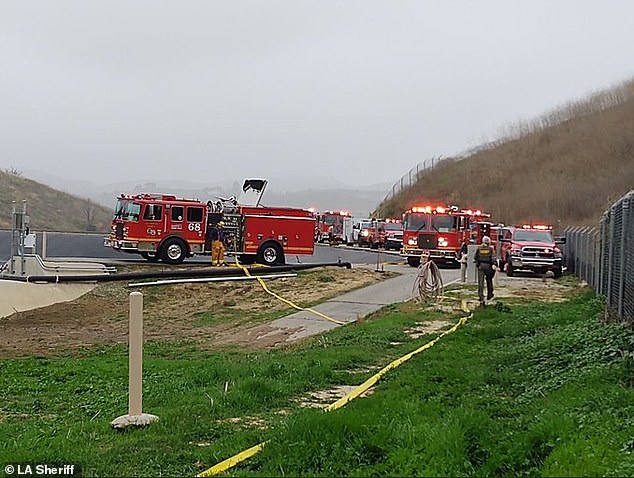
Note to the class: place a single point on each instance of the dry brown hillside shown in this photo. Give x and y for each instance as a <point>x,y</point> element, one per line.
<point>565,168</point>
<point>48,208</point>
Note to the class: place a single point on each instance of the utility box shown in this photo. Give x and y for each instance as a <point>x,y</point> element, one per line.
<point>29,243</point>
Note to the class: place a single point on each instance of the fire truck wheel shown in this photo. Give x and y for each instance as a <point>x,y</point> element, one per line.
<point>173,251</point>
<point>271,254</point>
<point>413,261</point>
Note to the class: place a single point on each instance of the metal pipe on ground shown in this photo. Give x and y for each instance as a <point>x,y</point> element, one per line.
<point>208,272</point>
<point>208,279</point>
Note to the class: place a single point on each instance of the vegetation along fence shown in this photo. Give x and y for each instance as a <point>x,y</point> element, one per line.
<point>603,256</point>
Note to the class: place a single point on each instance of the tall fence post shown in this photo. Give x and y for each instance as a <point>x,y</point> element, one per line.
<point>625,206</point>
<point>608,295</point>
<point>605,244</point>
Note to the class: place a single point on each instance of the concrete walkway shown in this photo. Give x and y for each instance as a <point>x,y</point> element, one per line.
<point>352,305</point>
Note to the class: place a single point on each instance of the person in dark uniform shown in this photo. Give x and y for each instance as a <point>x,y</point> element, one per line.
<point>486,263</point>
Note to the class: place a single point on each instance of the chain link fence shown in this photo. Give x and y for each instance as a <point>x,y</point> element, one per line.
<point>411,177</point>
<point>603,256</point>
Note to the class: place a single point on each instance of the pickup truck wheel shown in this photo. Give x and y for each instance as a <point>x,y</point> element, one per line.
<point>509,269</point>
<point>271,254</point>
<point>173,251</point>
<point>557,272</point>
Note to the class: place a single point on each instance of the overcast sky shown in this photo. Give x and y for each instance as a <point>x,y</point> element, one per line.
<point>222,90</point>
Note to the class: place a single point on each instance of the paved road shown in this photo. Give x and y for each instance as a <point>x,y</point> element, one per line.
<point>80,245</point>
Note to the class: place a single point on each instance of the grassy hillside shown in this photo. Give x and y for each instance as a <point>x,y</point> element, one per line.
<point>566,167</point>
<point>49,209</point>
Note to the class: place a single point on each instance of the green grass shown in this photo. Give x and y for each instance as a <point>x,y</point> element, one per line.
<point>530,390</point>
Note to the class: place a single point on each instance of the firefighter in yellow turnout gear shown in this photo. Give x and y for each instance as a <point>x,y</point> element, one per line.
<point>486,263</point>
<point>217,245</point>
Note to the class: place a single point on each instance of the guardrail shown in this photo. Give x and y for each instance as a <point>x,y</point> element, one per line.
<point>603,256</point>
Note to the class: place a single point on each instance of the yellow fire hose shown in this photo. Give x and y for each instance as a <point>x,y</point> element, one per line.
<point>288,302</point>
<point>248,453</point>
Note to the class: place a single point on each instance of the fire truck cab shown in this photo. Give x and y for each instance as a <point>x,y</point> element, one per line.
<point>165,227</point>
<point>529,248</point>
<point>330,226</point>
<point>436,231</point>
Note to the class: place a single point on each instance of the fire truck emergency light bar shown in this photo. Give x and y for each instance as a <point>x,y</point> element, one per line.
<point>341,213</point>
<point>436,209</point>
<point>541,227</point>
<point>430,209</point>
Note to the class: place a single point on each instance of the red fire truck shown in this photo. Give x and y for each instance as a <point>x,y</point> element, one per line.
<point>371,233</point>
<point>438,231</point>
<point>393,234</point>
<point>165,227</point>
<point>330,226</point>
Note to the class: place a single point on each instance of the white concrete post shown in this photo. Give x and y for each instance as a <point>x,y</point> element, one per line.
<point>135,393</point>
<point>472,270</point>
<point>44,244</point>
<point>135,416</point>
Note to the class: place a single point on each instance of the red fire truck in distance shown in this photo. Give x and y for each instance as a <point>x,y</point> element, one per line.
<point>393,234</point>
<point>330,226</point>
<point>371,234</point>
<point>165,227</point>
<point>438,231</point>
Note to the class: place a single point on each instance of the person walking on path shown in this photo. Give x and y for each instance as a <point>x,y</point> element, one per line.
<point>486,263</point>
<point>217,245</point>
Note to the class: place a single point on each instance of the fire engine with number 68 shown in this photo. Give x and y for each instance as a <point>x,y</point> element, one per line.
<point>167,228</point>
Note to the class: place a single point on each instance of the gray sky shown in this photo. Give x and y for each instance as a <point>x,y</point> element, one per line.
<point>216,90</point>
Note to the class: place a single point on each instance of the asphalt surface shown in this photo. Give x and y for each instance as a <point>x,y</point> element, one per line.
<point>90,246</point>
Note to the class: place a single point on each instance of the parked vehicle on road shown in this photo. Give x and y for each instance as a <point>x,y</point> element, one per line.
<point>393,234</point>
<point>436,231</point>
<point>165,227</point>
<point>530,248</point>
<point>329,227</point>
<point>371,234</point>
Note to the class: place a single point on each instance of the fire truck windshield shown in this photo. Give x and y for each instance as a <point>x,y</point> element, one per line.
<point>333,220</point>
<point>535,236</point>
<point>443,223</point>
<point>127,210</point>
<point>392,226</point>
<point>415,222</point>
